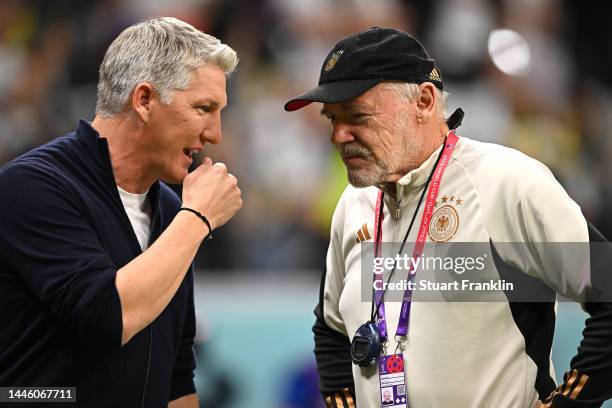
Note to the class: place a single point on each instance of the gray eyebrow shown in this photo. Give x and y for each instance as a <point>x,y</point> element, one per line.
<point>349,107</point>
<point>213,103</point>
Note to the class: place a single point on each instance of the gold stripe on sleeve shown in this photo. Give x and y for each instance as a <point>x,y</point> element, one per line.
<point>583,379</point>
<point>349,398</point>
<point>570,382</point>
<point>366,233</point>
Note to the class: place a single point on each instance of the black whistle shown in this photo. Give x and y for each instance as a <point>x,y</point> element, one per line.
<point>454,120</point>
<point>366,345</point>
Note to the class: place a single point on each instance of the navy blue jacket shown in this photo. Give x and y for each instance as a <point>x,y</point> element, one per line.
<point>64,233</point>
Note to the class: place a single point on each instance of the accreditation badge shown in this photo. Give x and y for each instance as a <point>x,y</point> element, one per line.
<point>392,381</point>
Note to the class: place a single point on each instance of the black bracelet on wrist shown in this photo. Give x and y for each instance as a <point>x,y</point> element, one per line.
<point>203,218</point>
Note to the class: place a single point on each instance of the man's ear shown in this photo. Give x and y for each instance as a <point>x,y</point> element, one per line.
<point>141,101</point>
<point>426,103</point>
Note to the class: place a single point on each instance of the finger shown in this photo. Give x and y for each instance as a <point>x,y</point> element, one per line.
<point>222,165</point>
<point>233,178</point>
<point>205,165</point>
<point>206,162</point>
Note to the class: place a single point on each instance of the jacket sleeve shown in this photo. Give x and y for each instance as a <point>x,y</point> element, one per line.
<point>55,252</point>
<point>557,246</point>
<point>332,344</point>
<point>333,355</point>
<point>185,363</point>
<point>587,384</point>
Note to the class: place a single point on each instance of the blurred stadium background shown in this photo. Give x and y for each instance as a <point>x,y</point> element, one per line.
<point>257,281</point>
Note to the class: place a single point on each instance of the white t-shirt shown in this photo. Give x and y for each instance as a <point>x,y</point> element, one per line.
<point>138,209</point>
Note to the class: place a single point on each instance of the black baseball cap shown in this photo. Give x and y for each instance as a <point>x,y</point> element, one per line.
<point>362,60</point>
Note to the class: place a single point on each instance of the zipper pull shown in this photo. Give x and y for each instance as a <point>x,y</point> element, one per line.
<point>399,194</point>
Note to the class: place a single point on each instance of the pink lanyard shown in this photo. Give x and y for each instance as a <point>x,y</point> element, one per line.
<point>432,195</point>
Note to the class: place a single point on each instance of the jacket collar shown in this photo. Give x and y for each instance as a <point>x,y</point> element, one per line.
<point>101,163</point>
<point>414,179</point>
<point>97,147</point>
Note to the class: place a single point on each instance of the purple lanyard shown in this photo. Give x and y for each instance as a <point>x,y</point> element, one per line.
<point>432,195</point>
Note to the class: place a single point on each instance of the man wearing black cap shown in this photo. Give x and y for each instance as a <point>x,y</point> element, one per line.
<point>414,181</point>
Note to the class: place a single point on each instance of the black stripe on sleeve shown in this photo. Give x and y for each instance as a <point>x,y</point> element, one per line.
<point>592,365</point>
<point>535,320</point>
<point>332,352</point>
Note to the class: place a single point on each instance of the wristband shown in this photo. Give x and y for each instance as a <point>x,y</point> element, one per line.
<point>203,218</point>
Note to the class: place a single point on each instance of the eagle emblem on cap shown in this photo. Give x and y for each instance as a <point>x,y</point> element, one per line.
<point>331,62</point>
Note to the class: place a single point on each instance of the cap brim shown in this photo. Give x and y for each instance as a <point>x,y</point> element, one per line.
<point>332,92</point>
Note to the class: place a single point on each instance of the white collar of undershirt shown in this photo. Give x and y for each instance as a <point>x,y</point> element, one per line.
<point>134,200</point>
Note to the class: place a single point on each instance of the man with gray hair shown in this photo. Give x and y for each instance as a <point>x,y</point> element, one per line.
<point>415,182</point>
<point>96,250</point>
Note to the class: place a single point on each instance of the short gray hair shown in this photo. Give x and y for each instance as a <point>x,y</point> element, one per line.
<point>411,92</point>
<point>163,51</point>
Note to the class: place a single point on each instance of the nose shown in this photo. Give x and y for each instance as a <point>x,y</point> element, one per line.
<point>212,130</point>
<point>341,133</point>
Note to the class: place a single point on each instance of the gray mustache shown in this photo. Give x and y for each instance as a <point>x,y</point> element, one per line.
<point>354,150</point>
